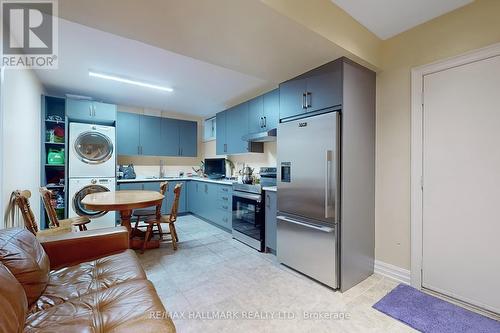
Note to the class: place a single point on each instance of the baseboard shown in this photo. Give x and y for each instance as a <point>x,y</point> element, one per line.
<point>394,272</point>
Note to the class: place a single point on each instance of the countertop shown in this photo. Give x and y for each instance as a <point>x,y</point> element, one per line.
<point>173,179</point>
<point>270,188</point>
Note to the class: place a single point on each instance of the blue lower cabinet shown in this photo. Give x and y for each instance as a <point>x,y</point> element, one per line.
<point>127,187</point>
<point>130,186</point>
<point>193,193</point>
<point>225,219</point>
<point>155,186</point>
<point>271,211</point>
<point>210,201</point>
<point>171,195</point>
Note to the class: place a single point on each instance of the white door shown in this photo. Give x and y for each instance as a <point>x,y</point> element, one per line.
<point>461,177</point>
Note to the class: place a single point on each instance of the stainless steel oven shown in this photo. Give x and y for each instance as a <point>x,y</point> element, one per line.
<point>248,215</point>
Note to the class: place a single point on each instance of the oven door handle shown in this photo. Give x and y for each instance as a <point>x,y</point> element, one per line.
<point>250,196</point>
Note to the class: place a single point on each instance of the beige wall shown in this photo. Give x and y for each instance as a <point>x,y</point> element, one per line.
<point>256,160</point>
<point>471,27</point>
<point>334,24</point>
<point>21,102</point>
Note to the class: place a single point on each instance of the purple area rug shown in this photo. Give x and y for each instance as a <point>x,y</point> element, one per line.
<point>430,314</point>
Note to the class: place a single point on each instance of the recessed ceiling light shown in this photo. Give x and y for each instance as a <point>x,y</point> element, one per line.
<point>125,80</point>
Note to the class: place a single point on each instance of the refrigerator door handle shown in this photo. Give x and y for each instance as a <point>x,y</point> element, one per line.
<point>328,190</point>
<point>311,226</point>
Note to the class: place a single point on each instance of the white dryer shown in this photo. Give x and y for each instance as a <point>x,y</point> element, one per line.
<point>79,188</point>
<point>92,151</point>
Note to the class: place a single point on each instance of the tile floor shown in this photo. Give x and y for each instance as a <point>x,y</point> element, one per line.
<point>213,275</point>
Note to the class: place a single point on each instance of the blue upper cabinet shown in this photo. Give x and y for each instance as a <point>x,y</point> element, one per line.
<point>150,131</point>
<point>127,133</point>
<point>292,98</point>
<point>79,110</point>
<point>256,114</point>
<point>220,136</point>
<point>90,112</point>
<point>271,109</point>
<point>263,112</point>
<point>324,90</point>
<point>236,128</point>
<point>156,136</point>
<point>169,140</point>
<point>104,112</point>
<point>317,90</point>
<point>188,138</point>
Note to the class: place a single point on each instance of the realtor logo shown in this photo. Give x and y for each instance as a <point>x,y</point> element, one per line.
<point>29,33</point>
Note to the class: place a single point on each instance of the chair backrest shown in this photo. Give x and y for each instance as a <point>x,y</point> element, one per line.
<point>47,196</point>
<point>163,188</point>
<point>22,201</point>
<point>175,204</point>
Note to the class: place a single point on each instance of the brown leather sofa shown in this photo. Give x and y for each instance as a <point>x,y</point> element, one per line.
<point>76,282</point>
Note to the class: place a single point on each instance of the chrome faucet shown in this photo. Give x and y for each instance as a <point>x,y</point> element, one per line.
<point>162,171</point>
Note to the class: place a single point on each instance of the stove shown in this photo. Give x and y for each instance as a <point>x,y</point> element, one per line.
<point>248,218</point>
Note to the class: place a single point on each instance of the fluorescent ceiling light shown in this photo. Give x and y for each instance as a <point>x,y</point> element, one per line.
<point>124,80</point>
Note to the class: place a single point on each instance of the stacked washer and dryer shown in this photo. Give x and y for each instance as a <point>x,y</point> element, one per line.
<point>92,167</point>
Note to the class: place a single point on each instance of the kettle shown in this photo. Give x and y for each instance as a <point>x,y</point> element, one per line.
<point>247,177</point>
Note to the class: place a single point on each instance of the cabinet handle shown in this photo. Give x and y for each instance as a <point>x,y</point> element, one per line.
<point>265,122</point>
<point>308,100</point>
<point>93,110</point>
<point>304,106</point>
<point>182,151</point>
<point>138,150</point>
<point>90,110</point>
<point>225,147</point>
<point>268,203</point>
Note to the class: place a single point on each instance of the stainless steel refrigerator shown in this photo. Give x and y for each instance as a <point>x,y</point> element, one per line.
<point>308,196</point>
<point>326,187</point>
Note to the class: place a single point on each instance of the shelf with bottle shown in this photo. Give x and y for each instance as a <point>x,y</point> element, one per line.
<point>58,202</point>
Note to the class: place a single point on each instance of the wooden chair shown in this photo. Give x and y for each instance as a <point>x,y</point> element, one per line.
<point>169,219</point>
<point>22,201</point>
<point>149,212</point>
<point>78,222</point>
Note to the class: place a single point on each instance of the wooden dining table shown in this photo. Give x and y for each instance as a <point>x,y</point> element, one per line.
<point>125,202</point>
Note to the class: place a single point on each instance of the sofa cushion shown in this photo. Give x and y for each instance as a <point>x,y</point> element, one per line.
<point>75,281</point>
<point>26,259</point>
<point>13,302</point>
<point>131,306</point>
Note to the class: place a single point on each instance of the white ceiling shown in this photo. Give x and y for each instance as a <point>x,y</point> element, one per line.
<point>200,88</point>
<point>387,18</point>
<point>214,54</point>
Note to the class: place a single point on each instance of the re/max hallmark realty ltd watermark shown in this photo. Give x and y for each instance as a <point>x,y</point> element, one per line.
<point>29,34</point>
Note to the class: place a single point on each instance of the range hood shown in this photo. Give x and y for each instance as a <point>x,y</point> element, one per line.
<point>266,136</point>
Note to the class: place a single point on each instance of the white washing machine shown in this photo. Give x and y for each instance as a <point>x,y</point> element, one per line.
<point>79,188</point>
<point>92,151</point>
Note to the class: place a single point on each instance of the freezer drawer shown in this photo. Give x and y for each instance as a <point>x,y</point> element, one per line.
<point>308,248</point>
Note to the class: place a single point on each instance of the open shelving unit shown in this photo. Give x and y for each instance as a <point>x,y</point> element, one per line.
<point>53,176</point>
